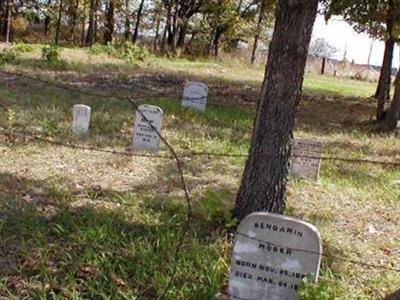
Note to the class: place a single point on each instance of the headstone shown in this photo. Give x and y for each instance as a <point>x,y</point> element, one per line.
<point>144,136</point>
<point>195,96</point>
<point>271,256</point>
<point>81,119</point>
<point>306,159</point>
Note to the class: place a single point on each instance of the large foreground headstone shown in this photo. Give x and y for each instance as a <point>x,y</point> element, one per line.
<point>195,96</point>
<point>306,159</point>
<point>271,256</point>
<point>144,136</point>
<point>81,119</point>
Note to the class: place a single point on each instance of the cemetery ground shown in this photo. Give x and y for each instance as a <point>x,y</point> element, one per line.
<point>79,224</point>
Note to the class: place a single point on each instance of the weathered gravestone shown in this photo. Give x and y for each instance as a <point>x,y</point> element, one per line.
<point>306,159</point>
<point>144,136</point>
<point>81,119</point>
<point>195,96</point>
<point>271,256</point>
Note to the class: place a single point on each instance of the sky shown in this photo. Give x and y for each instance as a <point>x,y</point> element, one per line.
<point>341,35</point>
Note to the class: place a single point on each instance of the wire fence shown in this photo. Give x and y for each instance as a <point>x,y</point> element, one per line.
<point>177,157</point>
<point>31,136</point>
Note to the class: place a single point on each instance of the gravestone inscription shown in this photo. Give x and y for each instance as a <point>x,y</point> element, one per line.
<point>144,136</point>
<point>271,256</point>
<point>306,159</point>
<point>195,96</point>
<point>81,119</point>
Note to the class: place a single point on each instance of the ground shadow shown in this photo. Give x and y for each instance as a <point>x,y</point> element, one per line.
<point>51,247</point>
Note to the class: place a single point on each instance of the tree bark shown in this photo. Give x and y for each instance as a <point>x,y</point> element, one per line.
<point>370,53</point>
<point>90,30</point>
<point>257,34</point>
<point>58,25</point>
<point>8,32</point>
<point>138,18</point>
<point>96,21</point>
<point>182,34</point>
<point>217,38</point>
<point>127,21</point>
<point>6,21</point>
<point>73,23</point>
<point>173,29</point>
<point>2,15</point>
<point>393,114</point>
<point>158,21</point>
<point>167,28</point>
<point>109,27</point>
<point>83,24</point>
<point>263,185</point>
<point>323,65</point>
<point>383,90</point>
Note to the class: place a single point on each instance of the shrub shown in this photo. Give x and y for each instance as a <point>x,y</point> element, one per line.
<point>109,49</point>
<point>127,51</point>
<point>8,55</point>
<point>51,54</point>
<point>22,47</point>
<point>132,52</point>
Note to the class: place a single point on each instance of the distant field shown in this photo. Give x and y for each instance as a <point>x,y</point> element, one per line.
<point>82,224</point>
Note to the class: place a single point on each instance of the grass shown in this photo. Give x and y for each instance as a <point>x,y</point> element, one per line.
<point>81,224</point>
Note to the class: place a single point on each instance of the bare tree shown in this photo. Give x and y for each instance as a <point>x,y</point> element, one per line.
<point>320,48</point>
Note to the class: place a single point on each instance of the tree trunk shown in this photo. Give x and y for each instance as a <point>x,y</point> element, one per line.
<point>6,18</point>
<point>96,21</point>
<point>323,65</point>
<point>155,41</point>
<point>90,30</point>
<point>8,30</point>
<point>127,21</point>
<point>109,26</point>
<point>83,24</point>
<point>257,34</point>
<point>218,34</point>
<point>2,16</point>
<point>394,111</point>
<point>167,28</point>
<point>47,20</point>
<point>173,29</point>
<point>73,23</point>
<point>182,34</point>
<point>383,90</point>
<point>138,18</point>
<point>46,25</point>
<point>263,185</point>
<point>370,53</point>
<point>58,25</point>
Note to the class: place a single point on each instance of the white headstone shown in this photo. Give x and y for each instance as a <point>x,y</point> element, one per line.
<point>195,95</point>
<point>306,159</point>
<point>144,136</point>
<point>81,119</point>
<point>271,256</point>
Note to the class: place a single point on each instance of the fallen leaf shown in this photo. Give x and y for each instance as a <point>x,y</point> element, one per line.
<point>118,281</point>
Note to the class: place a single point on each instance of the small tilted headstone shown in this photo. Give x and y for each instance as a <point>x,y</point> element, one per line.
<point>271,256</point>
<point>195,96</point>
<point>306,159</point>
<point>81,119</point>
<point>144,136</point>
